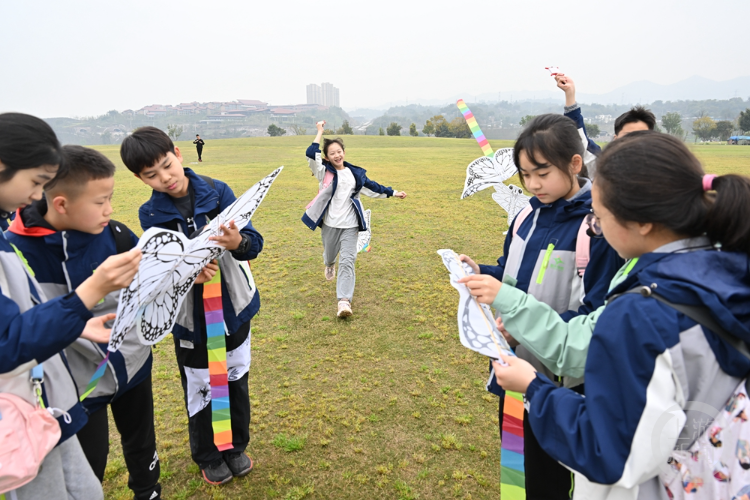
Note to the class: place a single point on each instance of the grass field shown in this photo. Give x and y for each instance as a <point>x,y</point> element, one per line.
<point>386,404</point>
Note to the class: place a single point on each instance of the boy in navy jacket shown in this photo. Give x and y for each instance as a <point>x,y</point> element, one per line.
<point>64,239</point>
<point>184,201</point>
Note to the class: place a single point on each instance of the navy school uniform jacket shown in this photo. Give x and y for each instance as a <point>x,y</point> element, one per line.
<point>558,285</point>
<point>313,216</point>
<point>33,331</point>
<point>647,360</point>
<point>62,260</point>
<point>240,298</point>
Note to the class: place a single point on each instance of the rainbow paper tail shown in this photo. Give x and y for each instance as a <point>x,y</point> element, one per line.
<point>217,363</point>
<point>98,374</point>
<point>512,475</point>
<point>474,126</point>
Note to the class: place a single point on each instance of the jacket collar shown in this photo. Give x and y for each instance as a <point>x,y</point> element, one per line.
<point>163,208</point>
<point>30,221</point>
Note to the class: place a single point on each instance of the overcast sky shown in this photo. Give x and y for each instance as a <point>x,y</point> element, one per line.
<point>77,58</point>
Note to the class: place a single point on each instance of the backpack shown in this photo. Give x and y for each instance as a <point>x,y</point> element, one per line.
<point>583,240</point>
<point>28,432</point>
<point>717,465</point>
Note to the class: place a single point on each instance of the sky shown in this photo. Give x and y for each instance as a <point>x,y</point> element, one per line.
<point>83,58</point>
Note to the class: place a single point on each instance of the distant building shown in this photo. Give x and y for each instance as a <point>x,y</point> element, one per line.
<point>325,94</point>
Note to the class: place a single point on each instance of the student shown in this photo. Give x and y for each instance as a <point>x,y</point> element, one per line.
<point>199,145</point>
<point>338,212</point>
<point>64,237</point>
<point>33,330</point>
<point>184,201</point>
<point>637,118</point>
<point>539,257</point>
<point>646,359</point>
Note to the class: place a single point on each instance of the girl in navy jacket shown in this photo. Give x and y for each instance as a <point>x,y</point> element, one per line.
<point>33,330</point>
<point>338,212</point>
<point>540,259</point>
<point>648,363</point>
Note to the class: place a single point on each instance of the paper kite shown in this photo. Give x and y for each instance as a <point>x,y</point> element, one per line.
<point>170,264</point>
<point>476,325</point>
<point>364,237</point>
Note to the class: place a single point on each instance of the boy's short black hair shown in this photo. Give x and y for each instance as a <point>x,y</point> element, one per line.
<point>636,114</point>
<point>144,147</point>
<point>79,166</point>
<point>197,135</point>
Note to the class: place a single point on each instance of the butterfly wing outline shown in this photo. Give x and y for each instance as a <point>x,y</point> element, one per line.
<point>485,172</point>
<point>364,237</point>
<point>511,198</point>
<point>476,325</point>
<point>171,262</point>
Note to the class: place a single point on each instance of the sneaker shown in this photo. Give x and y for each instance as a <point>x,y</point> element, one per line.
<point>239,463</point>
<point>345,309</point>
<point>330,273</point>
<point>217,474</point>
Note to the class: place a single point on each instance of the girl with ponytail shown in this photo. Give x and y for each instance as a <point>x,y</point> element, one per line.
<point>657,372</point>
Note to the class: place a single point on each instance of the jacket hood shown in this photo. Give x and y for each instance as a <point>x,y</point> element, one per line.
<point>577,206</point>
<point>30,221</point>
<point>707,277</point>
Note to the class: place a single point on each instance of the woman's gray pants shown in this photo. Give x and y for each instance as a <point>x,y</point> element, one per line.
<point>341,242</point>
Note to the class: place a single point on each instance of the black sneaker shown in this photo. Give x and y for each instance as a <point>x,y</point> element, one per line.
<point>239,463</point>
<point>217,474</point>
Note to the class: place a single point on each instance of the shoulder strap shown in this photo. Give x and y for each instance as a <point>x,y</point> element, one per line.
<point>121,233</point>
<point>699,314</point>
<point>583,248</point>
<point>208,180</point>
<point>214,212</point>
<point>521,217</point>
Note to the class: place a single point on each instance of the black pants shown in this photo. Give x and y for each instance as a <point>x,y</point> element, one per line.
<point>201,432</point>
<point>200,152</point>
<point>133,413</point>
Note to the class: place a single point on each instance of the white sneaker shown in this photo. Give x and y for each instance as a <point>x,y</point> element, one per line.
<point>345,309</point>
<point>330,273</point>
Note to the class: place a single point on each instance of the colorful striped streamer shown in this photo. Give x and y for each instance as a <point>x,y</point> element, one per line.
<point>474,126</point>
<point>96,377</point>
<point>217,363</point>
<point>512,475</point>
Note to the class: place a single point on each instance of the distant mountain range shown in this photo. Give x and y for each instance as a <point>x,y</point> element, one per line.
<point>693,88</point>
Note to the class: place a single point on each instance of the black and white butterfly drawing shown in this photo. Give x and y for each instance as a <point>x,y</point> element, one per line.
<point>485,172</point>
<point>364,237</point>
<point>511,198</point>
<point>476,326</point>
<point>171,262</point>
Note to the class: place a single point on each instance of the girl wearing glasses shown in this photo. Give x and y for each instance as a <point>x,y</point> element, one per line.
<point>649,365</point>
<point>539,258</point>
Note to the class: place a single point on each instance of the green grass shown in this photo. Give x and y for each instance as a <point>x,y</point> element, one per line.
<point>390,405</point>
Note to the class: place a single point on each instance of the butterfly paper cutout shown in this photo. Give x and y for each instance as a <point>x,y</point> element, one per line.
<point>476,325</point>
<point>485,172</point>
<point>171,262</point>
<point>511,198</point>
<point>364,237</point>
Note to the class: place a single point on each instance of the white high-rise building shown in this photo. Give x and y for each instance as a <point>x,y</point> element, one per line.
<point>325,94</point>
<point>314,94</point>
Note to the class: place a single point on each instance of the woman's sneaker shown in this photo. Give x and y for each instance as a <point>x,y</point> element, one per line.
<point>239,463</point>
<point>217,474</point>
<point>345,309</point>
<point>330,273</point>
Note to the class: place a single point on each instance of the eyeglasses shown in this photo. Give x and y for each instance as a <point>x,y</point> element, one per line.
<point>594,224</point>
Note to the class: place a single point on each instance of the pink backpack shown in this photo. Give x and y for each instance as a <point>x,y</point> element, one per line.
<point>583,240</point>
<point>28,433</point>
